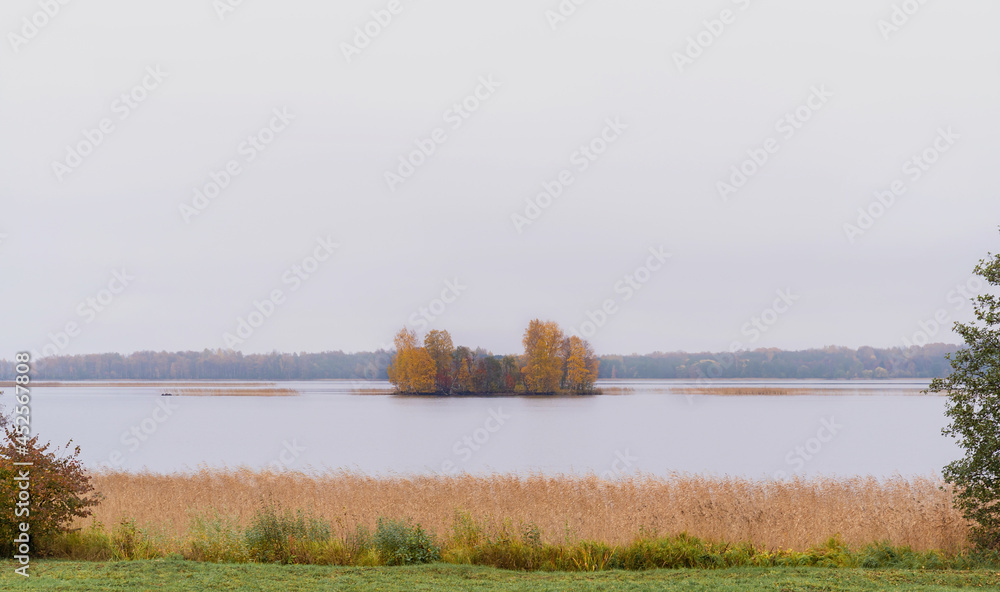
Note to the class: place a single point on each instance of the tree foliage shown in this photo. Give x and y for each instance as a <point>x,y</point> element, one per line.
<point>413,369</point>
<point>581,365</point>
<point>544,356</point>
<point>438,344</point>
<point>551,363</point>
<point>973,407</point>
<point>59,490</point>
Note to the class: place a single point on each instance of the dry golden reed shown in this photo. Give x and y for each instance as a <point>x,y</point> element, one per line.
<point>788,391</point>
<point>795,514</point>
<point>269,391</point>
<point>372,391</point>
<point>150,383</point>
<point>616,390</point>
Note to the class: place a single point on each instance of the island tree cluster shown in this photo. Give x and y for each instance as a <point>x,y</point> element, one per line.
<point>551,363</point>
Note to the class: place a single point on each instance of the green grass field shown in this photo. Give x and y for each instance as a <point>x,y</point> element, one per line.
<point>197,577</point>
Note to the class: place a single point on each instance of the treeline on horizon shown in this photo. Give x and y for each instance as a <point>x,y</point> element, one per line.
<point>832,362</point>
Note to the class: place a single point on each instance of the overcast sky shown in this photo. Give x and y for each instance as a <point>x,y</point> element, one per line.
<point>633,114</point>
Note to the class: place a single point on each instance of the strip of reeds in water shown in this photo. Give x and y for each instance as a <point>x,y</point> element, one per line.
<point>269,391</point>
<point>743,391</point>
<point>135,383</point>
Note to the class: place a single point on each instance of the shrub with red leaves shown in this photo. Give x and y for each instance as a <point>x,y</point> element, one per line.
<point>59,489</point>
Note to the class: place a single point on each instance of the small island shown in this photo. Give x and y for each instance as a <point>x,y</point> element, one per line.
<point>552,364</point>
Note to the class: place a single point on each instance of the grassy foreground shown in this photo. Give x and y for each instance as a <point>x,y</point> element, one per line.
<point>185,575</point>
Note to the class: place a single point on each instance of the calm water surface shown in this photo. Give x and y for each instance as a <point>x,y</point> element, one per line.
<point>867,428</point>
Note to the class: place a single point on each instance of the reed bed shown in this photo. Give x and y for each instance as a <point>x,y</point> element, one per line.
<point>372,391</point>
<point>132,383</point>
<point>788,391</point>
<point>616,390</point>
<point>267,391</point>
<point>795,514</point>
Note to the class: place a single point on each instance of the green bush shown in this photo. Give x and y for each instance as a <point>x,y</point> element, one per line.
<point>884,555</point>
<point>359,541</point>
<point>515,554</point>
<point>400,543</point>
<point>682,550</point>
<point>128,541</point>
<point>833,553</point>
<point>285,537</point>
<point>506,547</point>
<point>88,544</point>
<point>217,539</point>
<point>465,531</point>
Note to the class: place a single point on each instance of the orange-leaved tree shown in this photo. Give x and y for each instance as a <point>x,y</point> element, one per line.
<point>581,365</point>
<point>543,357</point>
<point>412,370</point>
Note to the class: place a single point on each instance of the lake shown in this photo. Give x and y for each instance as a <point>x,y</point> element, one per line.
<point>840,428</point>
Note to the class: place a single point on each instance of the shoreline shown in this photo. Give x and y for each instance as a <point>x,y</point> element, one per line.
<point>615,387</point>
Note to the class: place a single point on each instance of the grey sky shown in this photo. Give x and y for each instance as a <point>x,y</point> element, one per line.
<point>542,94</point>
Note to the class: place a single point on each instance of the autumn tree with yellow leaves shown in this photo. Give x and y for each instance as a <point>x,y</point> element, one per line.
<point>581,365</point>
<point>543,357</point>
<point>412,370</point>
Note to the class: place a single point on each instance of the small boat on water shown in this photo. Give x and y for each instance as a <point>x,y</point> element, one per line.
<point>166,394</point>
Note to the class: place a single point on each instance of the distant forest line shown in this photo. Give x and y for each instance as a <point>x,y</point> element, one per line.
<point>927,361</point>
